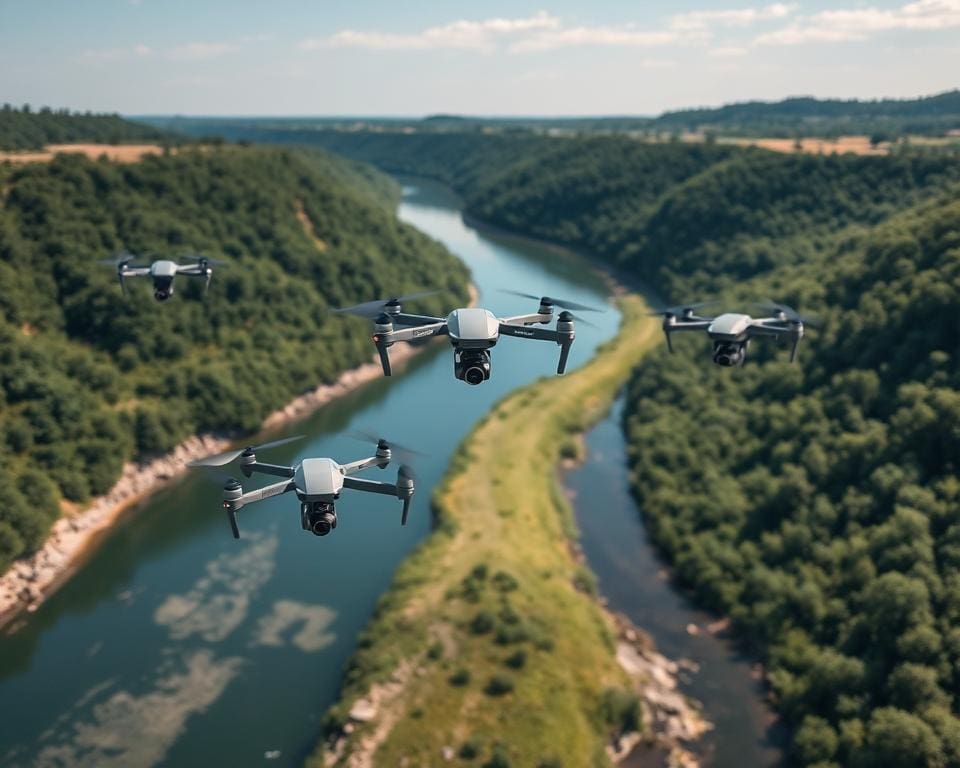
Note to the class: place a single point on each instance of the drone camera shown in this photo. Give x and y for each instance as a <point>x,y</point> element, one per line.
<point>472,366</point>
<point>161,295</point>
<point>728,355</point>
<point>320,518</point>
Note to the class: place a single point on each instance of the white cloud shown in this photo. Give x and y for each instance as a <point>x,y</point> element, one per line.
<point>728,52</point>
<point>740,17</point>
<point>603,36</point>
<point>546,32</point>
<point>462,35</point>
<point>845,25</point>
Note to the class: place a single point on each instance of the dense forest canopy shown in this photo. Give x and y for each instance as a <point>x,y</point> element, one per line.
<point>817,504</point>
<point>89,380</point>
<point>25,128</point>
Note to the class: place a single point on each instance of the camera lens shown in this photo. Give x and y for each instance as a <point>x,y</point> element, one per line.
<point>473,375</point>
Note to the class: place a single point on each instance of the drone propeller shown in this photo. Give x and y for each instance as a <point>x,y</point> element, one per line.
<point>208,259</point>
<point>118,260</point>
<point>680,309</point>
<point>562,303</point>
<point>219,459</point>
<point>583,321</point>
<point>373,309</point>
<point>791,315</point>
<point>366,436</point>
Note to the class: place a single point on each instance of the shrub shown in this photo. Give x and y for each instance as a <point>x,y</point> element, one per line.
<point>504,581</point>
<point>499,685</point>
<point>482,623</point>
<point>460,678</point>
<point>516,660</point>
<point>620,709</point>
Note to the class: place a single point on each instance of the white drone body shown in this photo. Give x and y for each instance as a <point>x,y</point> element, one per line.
<point>317,483</point>
<point>732,332</point>
<point>162,272</point>
<point>473,331</point>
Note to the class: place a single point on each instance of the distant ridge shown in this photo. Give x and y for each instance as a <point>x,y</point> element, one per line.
<point>24,128</point>
<point>927,114</point>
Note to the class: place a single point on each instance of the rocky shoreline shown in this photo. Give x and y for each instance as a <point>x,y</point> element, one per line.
<point>30,580</point>
<point>672,722</point>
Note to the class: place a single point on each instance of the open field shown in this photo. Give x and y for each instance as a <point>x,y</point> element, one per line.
<point>120,153</point>
<point>490,634</point>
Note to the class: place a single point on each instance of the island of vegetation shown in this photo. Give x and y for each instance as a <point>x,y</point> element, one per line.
<point>815,504</point>
<point>90,380</point>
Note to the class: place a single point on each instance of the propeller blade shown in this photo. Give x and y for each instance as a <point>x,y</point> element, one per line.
<point>585,322</point>
<point>789,312</point>
<point>406,471</point>
<point>366,436</point>
<point>372,309</point>
<point>679,309</point>
<point>118,259</point>
<point>562,303</point>
<point>220,459</point>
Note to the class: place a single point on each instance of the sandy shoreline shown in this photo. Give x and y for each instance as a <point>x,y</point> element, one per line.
<point>73,537</point>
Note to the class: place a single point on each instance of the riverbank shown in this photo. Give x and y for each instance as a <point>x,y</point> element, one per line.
<point>491,639</point>
<point>74,536</point>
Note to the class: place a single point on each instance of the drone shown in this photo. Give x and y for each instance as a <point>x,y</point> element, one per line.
<point>473,331</point>
<point>732,332</point>
<point>162,272</point>
<point>317,482</point>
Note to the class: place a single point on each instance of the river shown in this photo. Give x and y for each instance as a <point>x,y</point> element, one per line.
<point>173,644</point>
<point>636,583</point>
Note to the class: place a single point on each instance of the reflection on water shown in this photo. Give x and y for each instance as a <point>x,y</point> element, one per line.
<point>177,645</point>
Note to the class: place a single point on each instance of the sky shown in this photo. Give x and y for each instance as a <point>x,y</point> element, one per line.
<point>414,57</point>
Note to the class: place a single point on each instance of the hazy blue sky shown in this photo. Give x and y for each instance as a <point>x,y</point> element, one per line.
<point>413,57</point>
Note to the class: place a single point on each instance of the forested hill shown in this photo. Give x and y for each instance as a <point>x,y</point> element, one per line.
<point>807,116</point>
<point>817,504</point>
<point>89,379</point>
<point>24,128</point>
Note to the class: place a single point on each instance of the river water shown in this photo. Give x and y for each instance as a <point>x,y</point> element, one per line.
<point>174,644</point>
<point>636,583</point>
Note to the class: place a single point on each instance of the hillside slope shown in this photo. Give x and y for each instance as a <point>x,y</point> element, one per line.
<point>89,379</point>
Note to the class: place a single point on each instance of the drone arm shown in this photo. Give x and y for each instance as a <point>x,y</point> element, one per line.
<point>525,332</point>
<point>370,486</point>
<point>527,319</point>
<point>775,327</point>
<point>563,335</point>
<point>250,497</point>
<point>403,490</point>
<point>358,466</point>
<point>435,328</point>
<point>277,470</point>
<point>692,323</point>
